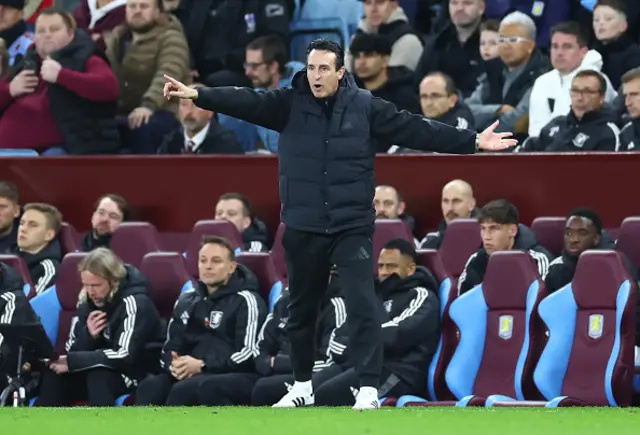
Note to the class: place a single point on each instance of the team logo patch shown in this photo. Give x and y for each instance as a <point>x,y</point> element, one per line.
<point>283,322</point>
<point>388,305</point>
<point>580,140</point>
<point>596,324</point>
<point>215,319</point>
<point>106,333</point>
<point>505,330</point>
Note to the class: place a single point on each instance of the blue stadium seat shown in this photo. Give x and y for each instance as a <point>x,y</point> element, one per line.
<point>9,152</point>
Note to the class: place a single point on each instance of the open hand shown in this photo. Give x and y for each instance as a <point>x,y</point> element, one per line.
<point>60,366</point>
<point>491,141</point>
<point>174,88</point>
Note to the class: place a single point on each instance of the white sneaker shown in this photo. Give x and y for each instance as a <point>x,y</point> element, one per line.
<point>367,398</point>
<point>297,396</point>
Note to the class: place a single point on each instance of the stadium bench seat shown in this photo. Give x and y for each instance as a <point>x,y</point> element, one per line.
<point>261,264</point>
<point>461,239</point>
<point>549,233</point>
<point>629,239</point>
<point>386,230</point>
<point>167,276</point>
<point>68,237</point>
<point>131,241</point>
<point>20,266</point>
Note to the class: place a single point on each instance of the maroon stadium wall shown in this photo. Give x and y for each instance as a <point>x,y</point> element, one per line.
<point>174,192</point>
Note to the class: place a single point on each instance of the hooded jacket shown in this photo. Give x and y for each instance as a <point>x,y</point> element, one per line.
<point>273,340</point>
<point>551,97</point>
<point>220,328</point>
<point>14,310</point>
<point>90,242</point>
<point>525,241</point>
<point>596,131</point>
<point>256,237</point>
<point>410,316</point>
<point>132,323</point>
<point>327,185</point>
<point>43,266</point>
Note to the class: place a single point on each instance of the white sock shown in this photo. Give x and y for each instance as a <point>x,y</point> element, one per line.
<point>305,387</point>
<point>368,391</point>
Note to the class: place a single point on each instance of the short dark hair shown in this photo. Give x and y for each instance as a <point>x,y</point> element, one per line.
<point>631,75</point>
<point>67,18</point>
<point>571,28</point>
<point>587,213</point>
<point>246,204</point>
<point>273,50</point>
<point>220,241</point>
<point>370,43</point>
<point>9,191</point>
<point>50,212</point>
<point>122,204</point>
<point>596,75</point>
<point>449,84</point>
<point>404,246</point>
<point>613,4</point>
<point>490,26</point>
<point>499,211</point>
<point>328,45</point>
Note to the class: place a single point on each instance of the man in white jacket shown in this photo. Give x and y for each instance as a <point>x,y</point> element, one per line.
<point>550,95</point>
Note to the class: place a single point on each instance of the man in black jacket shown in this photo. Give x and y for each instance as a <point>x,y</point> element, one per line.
<point>106,351</point>
<point>211,337</point>
<point>501,231</point>
<point>409,310</point>
<point>587,127</point>
<point>111,210</point>
<point>14,310</point>
<point>274,361</point>
<point>38,244</point>
<point>630,134</point>
<point>236,208</point>
<point>329,130</point>
<point>439,100</point>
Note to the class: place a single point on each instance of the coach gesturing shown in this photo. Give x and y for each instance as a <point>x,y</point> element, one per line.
<point>328,132</point>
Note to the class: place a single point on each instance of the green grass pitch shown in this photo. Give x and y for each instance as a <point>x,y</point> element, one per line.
<point>324,421</point>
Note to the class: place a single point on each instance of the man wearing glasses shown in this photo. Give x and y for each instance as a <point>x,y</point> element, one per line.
<point>587,127</point>
<point>503,93</point>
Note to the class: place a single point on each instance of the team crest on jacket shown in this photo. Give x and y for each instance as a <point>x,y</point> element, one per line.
<point>596,324</point>
<point>215,319</point>
<point>505,330</point>
<point>283,322</point>
<point>580,139</point>
<point>106,333</point>
<point>387,305</point>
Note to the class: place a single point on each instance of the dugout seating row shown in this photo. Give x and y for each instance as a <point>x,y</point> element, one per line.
<point>506,343</point>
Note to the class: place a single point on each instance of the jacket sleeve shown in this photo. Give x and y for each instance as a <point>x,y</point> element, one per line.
<point>267,345</point>
<point>338,345</point>
<point>176,328</point>
<point>97,83</point>
<point>469,277</point>
<point>129,339</point>
<point>14,310</point>
<point>44,274</point>
<point>542,257</point>
<point>249,317</point>
<point>608,139</point>
<point>329,347</point>
<point>544,139</point>
<point>79,338</point>
<point>416,324</point>
<point>417,132</point>
<point>431,241</point>
<point>555,278</point>
<point>509,119</point>
<point>484,114</point>
<point>268,109</point>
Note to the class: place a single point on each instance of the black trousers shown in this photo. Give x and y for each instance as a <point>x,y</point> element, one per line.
<point>204,389</point>
<point>269,390</point>
<point>100,387</point>
<point>309,257</point>
<point>340,390</point>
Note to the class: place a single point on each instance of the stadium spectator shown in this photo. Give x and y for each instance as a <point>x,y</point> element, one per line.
<point>387,19</point>
<point>218,32</point>
<point>409,310</point>
<point>274,363</point>
<point>457,202</point>
<point>211,337</point>
<point>38,243</point>
<point>107,348</point>
<point>150,44</point>
<point>489,39</point>
<point>630,134</point>
<point>99,17</point>
<point>619,52</point>
<point>588,126</point>
<point>551,96</point>
<point>454,51</point>
<point>199,133</point>
<point>9,217</point>
<point>14,310</point>
<point>63,91</point>
<point>504,92</point>
<point>501,231</point>
<point>371,54</point>
<point>267,66</point>
<point>110,211</point>
<point>583,231</point>
<point>236,208</point>
<point>441,101</point>
<point>389,204</point>
<point>13,29</point>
